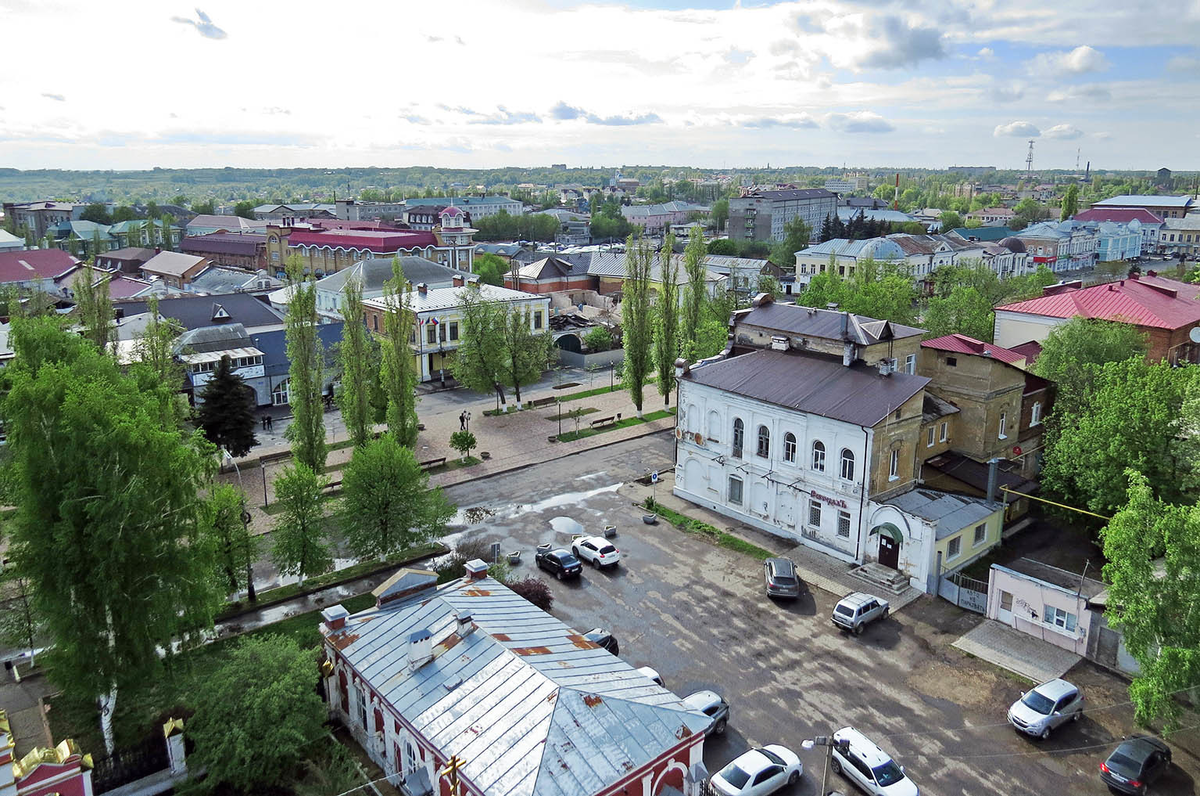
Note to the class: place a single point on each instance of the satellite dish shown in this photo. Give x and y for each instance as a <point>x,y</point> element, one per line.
<point>1194,334</point>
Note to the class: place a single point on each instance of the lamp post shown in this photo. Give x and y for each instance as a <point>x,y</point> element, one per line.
<point>828,742</point>
<point>245,522</point>
<point>468,419</point>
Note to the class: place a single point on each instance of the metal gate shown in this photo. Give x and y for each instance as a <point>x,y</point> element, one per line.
<point>964,592</point>
<point>129,765</point>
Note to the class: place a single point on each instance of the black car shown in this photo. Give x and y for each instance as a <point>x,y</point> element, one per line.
<point>559,563</point>
<point>1136,763</point>
<point>603,639</point>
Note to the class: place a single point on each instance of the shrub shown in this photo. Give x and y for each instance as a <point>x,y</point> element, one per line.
<point>536,590</point>
<point>599,339</point>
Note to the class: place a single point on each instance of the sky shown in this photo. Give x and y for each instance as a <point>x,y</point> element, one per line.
<point>460,83</point>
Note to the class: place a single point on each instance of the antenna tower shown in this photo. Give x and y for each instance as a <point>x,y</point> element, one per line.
<point>1029,160</point>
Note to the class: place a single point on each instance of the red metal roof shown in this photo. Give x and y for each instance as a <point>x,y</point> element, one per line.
<point>1031,350</point>
<point>385,241</point>
<point>1119,215</point>
<point>35,264</point>
<point>1147,301</point>
<point>962,344</point>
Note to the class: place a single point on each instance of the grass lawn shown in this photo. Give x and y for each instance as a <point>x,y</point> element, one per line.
<point>454,464</point>
<point>712,533</point>
<point>624,422</point>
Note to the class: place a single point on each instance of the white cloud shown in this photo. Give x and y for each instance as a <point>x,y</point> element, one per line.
<point>1184,63</point>
<point>1080,61</point>
<point>1017,129</point>
<point>859,122</point>
<point>1065,131</point>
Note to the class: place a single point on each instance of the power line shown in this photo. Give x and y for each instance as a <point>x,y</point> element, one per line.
<point>1056,751</point>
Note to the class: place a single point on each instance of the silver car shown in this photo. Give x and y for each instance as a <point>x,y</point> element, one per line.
<point>782,579</point>
<point>855,611</point>
<point>1046,706</point>
<point>710,704</point>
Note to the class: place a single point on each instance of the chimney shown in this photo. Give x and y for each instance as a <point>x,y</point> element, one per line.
<point>885,367</point>
<point>845,326</point>
<point>477,569</point>
<point>993,477</point>
<point>335,617</point>
<point>422,288</point>
<point>463,622</point>
<point>420,649</point>
<point>457,280</point>
<point>779,343</point>
<point>1152,273</point>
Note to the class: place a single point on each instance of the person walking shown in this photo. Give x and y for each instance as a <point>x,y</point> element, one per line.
<point>462,421</point>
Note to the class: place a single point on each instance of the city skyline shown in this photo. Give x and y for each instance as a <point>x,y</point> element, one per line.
<point>528,82</point>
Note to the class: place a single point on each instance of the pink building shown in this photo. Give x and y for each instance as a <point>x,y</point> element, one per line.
<point>1043,601</point>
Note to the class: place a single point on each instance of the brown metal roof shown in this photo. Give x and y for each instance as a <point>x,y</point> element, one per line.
<point>794,319</point>
<point>812,383</point>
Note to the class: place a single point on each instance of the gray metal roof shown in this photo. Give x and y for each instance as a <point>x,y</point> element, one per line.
<point>1064,579</point>
<point>811,383</point>
<point>951,513</point>
<point>812,322</point>
<point>533,708</point>
<point>379,270</point>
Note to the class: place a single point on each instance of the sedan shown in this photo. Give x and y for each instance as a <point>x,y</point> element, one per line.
<point>759,772</point>
<point>559,563</point>
<point>1045,707</point>
<point>600,552</point>
<point>1135,764</point>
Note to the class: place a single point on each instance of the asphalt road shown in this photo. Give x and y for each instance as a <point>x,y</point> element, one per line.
<point>696,613</point>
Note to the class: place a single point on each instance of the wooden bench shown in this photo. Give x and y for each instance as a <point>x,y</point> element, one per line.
<point>333,486</point>
<point>603,421</point>
<point>540,402</point>
<point>272,458</point>
<point>429,464</point>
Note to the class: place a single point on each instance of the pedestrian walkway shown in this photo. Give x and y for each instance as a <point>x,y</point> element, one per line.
<point>1017,652</point>
<point>26,719</point>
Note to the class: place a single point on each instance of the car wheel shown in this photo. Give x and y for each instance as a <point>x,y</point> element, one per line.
<point>885,614</point>
<point>575,552</point>
<point>1046,733</point>
<point>719,727</point>
<point>559,575</point>
<point>1078,715</point>
<point>794,778</point>
<point>836,765</point>
<point>858,629</point>
<point>595,564</point>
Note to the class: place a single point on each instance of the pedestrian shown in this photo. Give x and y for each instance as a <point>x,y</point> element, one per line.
<point>462,421</point>
<point>263,420</point>
<point>270,423</point>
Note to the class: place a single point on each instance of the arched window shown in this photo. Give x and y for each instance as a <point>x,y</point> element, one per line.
<point>279,395</point>
<point>847,464</point>
<point>739,436</point>
<point>764,442</point>
<point>819,456</point>
<point>789,447</point>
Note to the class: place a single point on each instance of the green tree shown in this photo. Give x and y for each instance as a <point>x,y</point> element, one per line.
<point>720,213</point>
<point>107,524</point>
<point>1132,420</point>
<point>234,547</point>
<point>796,235</point>
<point>950,220</point>
<point>1028,212</point>
<point>96,212</point>
<point>725,248</point>
<point>96,247</point>
<point>691,314</point>
<point>767,283</point>
<point>1152,550</point>
<point>358,377</point>
<point>476,363</point>
<point>94,305</point>
<point>637,323</point>
<point>666,322</point>
<point>123,213</point>
<point>244,209</point>
<point>526,351</point>
<point>964,311</point>
<point>463,442</point>
<point>168,232</point>
<point>398,374</point>
<point>205,208</point>
<point>1072,353</point>
<point>1070,202</point>
<point>21,626</point>
<point>300,547</point>
<point>226,413</point>
<point>306,372</point>
<point>598,339</point>
<point>387,505</point>
<point>257,716</point>
<point>491,269</point>
<point>154,348</point>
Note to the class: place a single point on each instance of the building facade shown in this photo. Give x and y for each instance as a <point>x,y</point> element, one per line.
<point>1181,236</point>
<point>1162,206</point>
<point>763,214</point>
<point>477,206</point>
<point>233,250</point>
<point>40,216</point>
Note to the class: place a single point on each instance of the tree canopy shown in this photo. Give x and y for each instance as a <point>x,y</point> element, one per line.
<point>1073,351</point>
<point>491,269</point>
<point>226,413</point>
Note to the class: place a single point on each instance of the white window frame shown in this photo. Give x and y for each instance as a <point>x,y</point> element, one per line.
<point>844,524</point>
<point>789,447</point>
<point>894,466</point>
<point>1035,414</point>
<point>1059,618</point>
<point>944,434</point>
<point>814,513</point>
<point>1003,426</point>
<point>954,548</point>
<point>818,456</point>
<point>741,490</point>
<point>910,364</point>
<point>929,438</point>
<point>847,463</point>
<point>980,538</point>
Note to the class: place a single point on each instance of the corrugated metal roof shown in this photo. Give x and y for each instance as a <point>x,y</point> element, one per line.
<point>950,513</point>
<point>533,708</point>
<point>962,344</point>
<point>1146,301</point>
<point>813,322</point>
<point>811,383</point>
<point>1126,200</point>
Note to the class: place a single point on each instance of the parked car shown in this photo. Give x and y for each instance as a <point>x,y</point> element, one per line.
<point>855,611</point>
<point>710,704</point>
<point>782,578</point>
<point>650,674</point>
<point>559,562</point>
<point>1046,706</point>
<point>759,772</point>
<point>604,639</point>
<point>597,550</point>
<point>1135,764</point>
<point>869,767</point>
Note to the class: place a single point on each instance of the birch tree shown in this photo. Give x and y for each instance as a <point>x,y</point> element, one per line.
<point>476,363</point>
<point>526,351</point>
<point>307,357</point>
<point>94,305</point>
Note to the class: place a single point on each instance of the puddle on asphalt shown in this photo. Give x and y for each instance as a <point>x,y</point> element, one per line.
<point>476,515</point>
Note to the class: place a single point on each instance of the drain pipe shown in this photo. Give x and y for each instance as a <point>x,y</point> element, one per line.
<point>993,477</point>
<point>862,498</point>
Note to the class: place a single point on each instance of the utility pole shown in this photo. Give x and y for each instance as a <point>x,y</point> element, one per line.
<point>1029,161</point>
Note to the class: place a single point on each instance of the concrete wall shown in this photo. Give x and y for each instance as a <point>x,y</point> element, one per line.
<point>1031,596</point>
<point>1014,328</point>
<point>601,359</point>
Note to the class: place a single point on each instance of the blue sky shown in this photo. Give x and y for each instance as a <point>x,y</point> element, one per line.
<point>919,83</point>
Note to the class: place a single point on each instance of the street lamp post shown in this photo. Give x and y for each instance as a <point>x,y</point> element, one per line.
<point>245,522</point>
<point>468,419</point>
<point>828,742</point>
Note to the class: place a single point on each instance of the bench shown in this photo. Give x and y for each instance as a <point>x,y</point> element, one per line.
<point>272,458</point>
<point>603,421</point>
<point>429,464</point>
<point>333,486</point>
<point>540,402</point>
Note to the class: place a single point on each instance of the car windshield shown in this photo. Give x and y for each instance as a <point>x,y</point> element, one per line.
<point>845,610</point>
<point>1038,703</point>
<point>1123,765</point>
<point>888,774</point>
<point>734,775</point>
<point>774,758</point>
<point>607,549</point>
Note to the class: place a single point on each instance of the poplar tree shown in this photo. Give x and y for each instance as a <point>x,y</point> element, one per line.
<point>399,374</point>
<point>692,313</point>
<point>636,323</point>
<point>307,356</point>
<point>234,547</point>
<point>666,323</point>
<point>154,348</point>
<point>358,377</point>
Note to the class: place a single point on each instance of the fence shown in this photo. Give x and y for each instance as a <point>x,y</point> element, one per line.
<point>129,765</point>
<point>964,592</point>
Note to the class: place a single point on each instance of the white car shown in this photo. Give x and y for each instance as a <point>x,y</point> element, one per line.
<point>866,765</point>
<point>759,772</point>
<point>596,549</point>
<point>650,674</point>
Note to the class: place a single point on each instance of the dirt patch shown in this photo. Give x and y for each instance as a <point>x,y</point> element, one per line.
<point>963,685</point>
<point>478,514</point>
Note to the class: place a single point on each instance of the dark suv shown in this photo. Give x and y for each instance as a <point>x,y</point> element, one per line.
<point>603,639</point>
<point>782,579</point>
